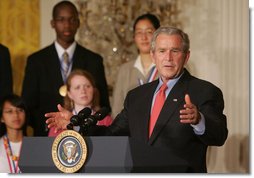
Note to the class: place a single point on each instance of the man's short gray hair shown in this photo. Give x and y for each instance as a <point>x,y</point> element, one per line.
<point>171,31</point>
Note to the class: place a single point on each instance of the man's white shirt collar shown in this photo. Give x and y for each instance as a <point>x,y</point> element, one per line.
<point>70,50</point>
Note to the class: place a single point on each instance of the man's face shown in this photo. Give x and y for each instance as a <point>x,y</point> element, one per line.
<point>65,24</point>
<point>169,56</point>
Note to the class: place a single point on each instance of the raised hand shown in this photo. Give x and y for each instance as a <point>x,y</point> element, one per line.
<point>190,113</point>
<point>59,119</point>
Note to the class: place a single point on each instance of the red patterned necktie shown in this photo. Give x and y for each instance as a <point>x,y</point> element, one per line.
<point>158,103</point>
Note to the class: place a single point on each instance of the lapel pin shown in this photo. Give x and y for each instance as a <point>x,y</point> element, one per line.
<point>175,100</point>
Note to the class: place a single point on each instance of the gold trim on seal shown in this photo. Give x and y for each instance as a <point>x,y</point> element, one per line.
<point>69,151</point>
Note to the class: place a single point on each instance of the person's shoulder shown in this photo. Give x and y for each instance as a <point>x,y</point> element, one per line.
<point>201,83</point>
<point>82,50</point>
<point>145,87</point>
<point>141,92</point>
<point>128,64</point>
<point>1,144</point>
<point>3,48</point>
<point>5,53</point>
<point>1,139</point>
<point>41,52</point>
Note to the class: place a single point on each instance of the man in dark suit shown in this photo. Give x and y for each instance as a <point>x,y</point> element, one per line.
<point>46,69</point>
<point>6,80</point>
<point>191,118</point>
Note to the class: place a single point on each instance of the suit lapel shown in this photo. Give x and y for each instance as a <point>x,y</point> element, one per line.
<point>76,63</point>
<point>75,57</point>
<point>173,103</point>
<point>54,68</point>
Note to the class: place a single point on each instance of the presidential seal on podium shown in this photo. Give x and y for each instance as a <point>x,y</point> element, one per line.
<point>69,151</point>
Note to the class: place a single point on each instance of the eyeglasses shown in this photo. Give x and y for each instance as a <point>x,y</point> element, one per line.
<point>147,32</point>
<point>13,111</point>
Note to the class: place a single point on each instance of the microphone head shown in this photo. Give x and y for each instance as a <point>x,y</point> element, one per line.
<point>84,113</point>
<point>75,120</point>
<point>70,126</point>
<point>102,113</point>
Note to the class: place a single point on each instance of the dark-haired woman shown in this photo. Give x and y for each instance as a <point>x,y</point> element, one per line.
<point>12,130</point>
<point>139,71</point>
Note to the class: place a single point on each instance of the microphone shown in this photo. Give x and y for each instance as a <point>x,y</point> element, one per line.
<point>77,119</point>
<point>99,115</point>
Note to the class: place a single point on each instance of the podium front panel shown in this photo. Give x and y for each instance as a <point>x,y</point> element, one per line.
<point>105,155</point>
<point>115,154</point>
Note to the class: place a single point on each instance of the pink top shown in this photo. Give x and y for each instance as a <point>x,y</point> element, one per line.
<point>106,122</point>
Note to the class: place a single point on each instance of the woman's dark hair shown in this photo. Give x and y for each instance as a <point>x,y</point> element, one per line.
<point>16,101</point>
<point>152,18</point>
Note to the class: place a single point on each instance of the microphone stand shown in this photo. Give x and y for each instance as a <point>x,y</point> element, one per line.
<point>87,123</point>
<point>83,130</point>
